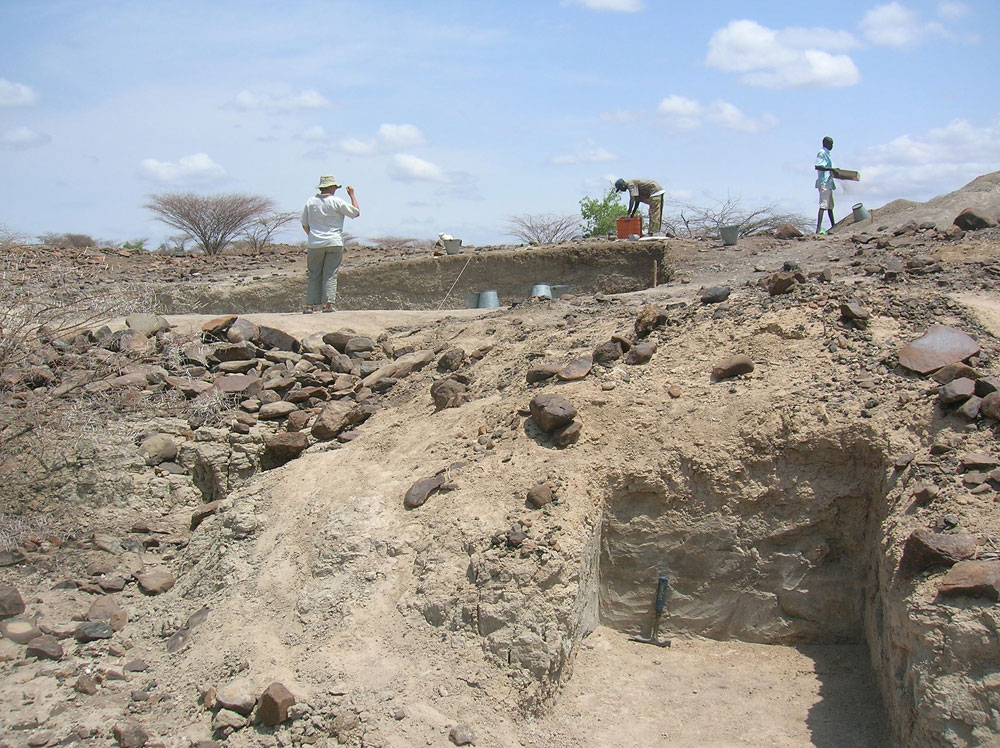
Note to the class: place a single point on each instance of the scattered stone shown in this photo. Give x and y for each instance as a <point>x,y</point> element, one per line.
<point>449,393</point>
<point>282,341</point>
<point>93,631</point>
<point>969,410</point>
<point>462,735</point>
<point>203,512</point>
<point>939,346</point>
<point>715,294</point>
<point>551,411</point>
<point>954,371</point>
<point>276,411</point>
<point>11,603</point>
<point>516,535</point>
<point>158,448</point>
<point>607,353</point>
<point>987,385</point>
<point>45,647</point>
<point>972,579</point>
<point>274,704</point>
<point>226,721</point>
<point>972,219</point>
<point>418,493</point>
<point>567,435</point>
<point>148,324</point>
<point>990,406</point>
<point>541,372</point>
<point>732,367</point>
<point>855,311</point>
<point>285,446</point>
<point>924,549</point>
<point>85,684</point>
<point>648,318</point>
<point>787,231</point>
<point>779,283</point>
<point>155,582</point>
<point>957,391</point>
<point>238,696</point>
<point>451,360</point>
<point>335,417</point>
<point>539,495</point>
<point>576,369</point>
<point>641,353</point>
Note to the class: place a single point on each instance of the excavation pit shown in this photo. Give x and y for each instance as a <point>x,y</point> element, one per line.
<point>775,551</point>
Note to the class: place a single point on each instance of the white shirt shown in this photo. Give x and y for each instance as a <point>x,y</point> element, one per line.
<point>324,215</point>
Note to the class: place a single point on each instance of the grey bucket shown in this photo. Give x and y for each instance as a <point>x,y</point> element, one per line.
<point>860,212</point>
<point>488,300</point>
<point>472,300</point>
<point>559,290</point>
<point>729,235</point>
<point>452,246</point>
<point>541,290</point>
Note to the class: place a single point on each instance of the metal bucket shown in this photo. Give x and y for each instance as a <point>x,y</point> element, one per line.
<point>541,291</point>
<point>559,290</point>
<point>729,235</point>
<point>488,300</point>
<point>860,212</point>
<point>452,246</point>
<point>472,300</point>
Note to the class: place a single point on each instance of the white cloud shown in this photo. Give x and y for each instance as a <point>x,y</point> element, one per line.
<point>922,166</point>
<point>621,6</point>
<point>621,116</point>
<point>198,167</point>
<point>407,168</point>
<point>588,153</point>
<point>389,138</point>
<point>22,137</point>
<point>895,25</point>
<point>793,58</point>
<point>683,113</point>
<point>16,94</point>
<point>952,10</point>
<point>313,134</point>
<point>249,101</point>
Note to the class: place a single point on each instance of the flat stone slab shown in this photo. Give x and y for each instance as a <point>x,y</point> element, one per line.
<point>939,346</point>
<point>972,579</point>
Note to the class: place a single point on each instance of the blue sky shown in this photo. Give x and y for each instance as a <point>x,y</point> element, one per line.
<point>452,115</point>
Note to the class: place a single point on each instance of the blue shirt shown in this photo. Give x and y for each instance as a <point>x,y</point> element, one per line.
<point>824,179</point>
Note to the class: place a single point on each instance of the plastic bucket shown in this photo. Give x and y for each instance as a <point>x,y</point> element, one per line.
<point>488,300</point>
<point>541,290</point>
<point>729,235</point>
<point>860,212</point>
<point>452,246</point>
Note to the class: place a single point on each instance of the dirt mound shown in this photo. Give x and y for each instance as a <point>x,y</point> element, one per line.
<point>779,503</point>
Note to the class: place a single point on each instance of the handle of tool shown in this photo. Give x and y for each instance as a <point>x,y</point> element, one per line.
<point>661,594</point>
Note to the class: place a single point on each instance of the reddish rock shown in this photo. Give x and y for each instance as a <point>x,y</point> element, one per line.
<point>274,704</point>
<point>607,352</point>
<point>787,231</point>
<point>972,219</point>
<point>285,445</point>
<point>335,417</point>
<point>242,331</point>
<point>972,579</point>
<point>924,549</point>
<point>130,734</point>
<point>551,411</point>
<point>216,328</point>
<point>418,493</point>
<point>449,393</point>
<point>641,353</point>
<point>155,582</point>
<point>957,391</point>
<point>566,435</point>
<point>203,512</point>
<point>45,647</point>
<point>282,341</point>
<point>990,406</point>
<point>576,369</point>
<point>276,411</point>
<point>11,603</point>
<point>246,384</point>
<point>954,371</point>
<point>541,372</point>
<point>732,367</point>
<point>237,696</point>
<point>854,311</point>
<point>451,360</point>
<point>779,283</point>
<point>539,495</point>
<point>939,346</point>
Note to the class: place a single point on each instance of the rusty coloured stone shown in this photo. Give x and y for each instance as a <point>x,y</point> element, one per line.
<point>938,347</point>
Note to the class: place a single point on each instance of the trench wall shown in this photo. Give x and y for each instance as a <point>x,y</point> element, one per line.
<point>439,282</point>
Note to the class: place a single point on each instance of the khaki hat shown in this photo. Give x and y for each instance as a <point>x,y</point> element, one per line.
<point>327,180</point>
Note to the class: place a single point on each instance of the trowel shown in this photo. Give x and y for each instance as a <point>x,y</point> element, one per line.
<point>661,603</point>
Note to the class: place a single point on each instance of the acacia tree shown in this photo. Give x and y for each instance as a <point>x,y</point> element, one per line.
<point>700,220</point>
<point>600,215</point>
<point>212,220</point>
<point>260,230</point>
<point>542,229</point>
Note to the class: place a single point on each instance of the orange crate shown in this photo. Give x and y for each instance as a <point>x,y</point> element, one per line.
<point>629,226</point>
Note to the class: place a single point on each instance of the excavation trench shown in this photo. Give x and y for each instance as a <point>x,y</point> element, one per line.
<point>780,549</point>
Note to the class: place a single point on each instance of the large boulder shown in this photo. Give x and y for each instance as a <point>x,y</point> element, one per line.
<point>972,219</point>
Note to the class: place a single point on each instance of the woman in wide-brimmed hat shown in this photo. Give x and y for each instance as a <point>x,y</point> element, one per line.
<point>323,222</point>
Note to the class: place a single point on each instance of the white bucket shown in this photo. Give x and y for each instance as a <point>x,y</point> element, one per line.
<point>488,300</point>
<point>729,235</point>
<point>452,246</point>
<point>542,291</point>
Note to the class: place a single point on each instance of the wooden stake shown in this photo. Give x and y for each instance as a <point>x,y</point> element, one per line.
<point>654,273</point>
